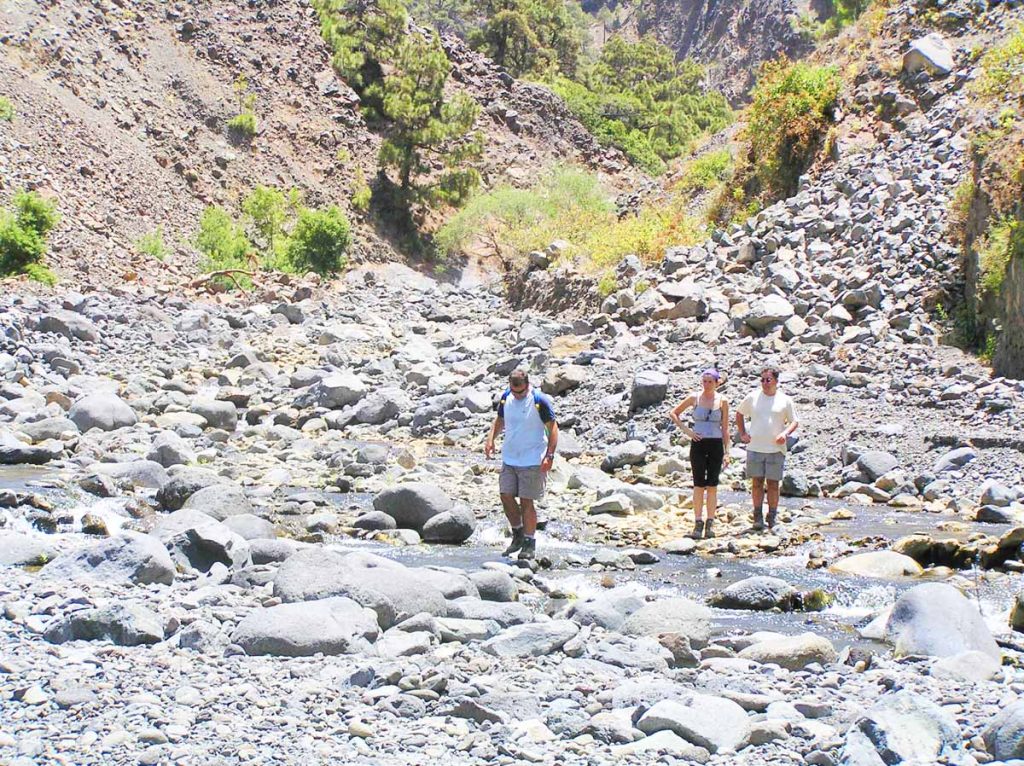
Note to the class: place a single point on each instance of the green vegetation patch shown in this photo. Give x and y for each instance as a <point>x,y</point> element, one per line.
<point>1002,68</point>
<point>1003,242</point>
<point>570,205</point>
<point>707,171</point>
<point>6,109</point>
<point>24,229</point>
<point>152,244</point>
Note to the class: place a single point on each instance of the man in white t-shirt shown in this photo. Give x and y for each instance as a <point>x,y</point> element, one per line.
<point>772,419</point>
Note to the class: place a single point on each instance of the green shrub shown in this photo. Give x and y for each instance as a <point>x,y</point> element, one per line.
<point>319,241</point>
<point>362,194</point>
<point>268,210</point>
<point>152,244</point>
<point>607,284</point>
<point>707,171</point>
<point>40,272</point>
<point>6,109</point>
<point>788,118</point>
<point>1003,240</point>
<point>24,230</point>
<point>842,13</point>
<point>243,125</point>
<point>222,241</point>
<point>570,205</point>
<point>1002,68</point>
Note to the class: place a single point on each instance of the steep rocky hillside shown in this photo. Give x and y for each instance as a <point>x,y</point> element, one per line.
<point>732,37</point>
<point>121,114</point>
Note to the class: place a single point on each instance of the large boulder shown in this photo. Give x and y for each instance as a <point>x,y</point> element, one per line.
<point>391,589</point>
<point>904,728</point>
<point>198,541</point>
<point>220,501</point>
<point>560,380</point>
<point>649,387</point>
<point>452,527</point>
<point>413,504</point>
<point>48,428</point>
<point>1004,736</point>
<point>791,652</point>
<point>69,324</point>
<point>930,53</point>
<point>18,550</point>
<point>935,619</point>
<point>632,452</point>
<point>13,451</point>
<point>533,639</point>
<point>129,558</point>
<point>881,564</point>
<point>250,527</point>
<point>608,609</point>
<point>326,626</point>
<point>768,312</point>
<point>756,593</point>
<point>104,411</point>
<point>502,613</point>
<point>671,615</point>
<point>216,413</point>
<point>141,473</point>
<point>170,449</point>
<point>493,585</point>
<point>337,390</point>
<point>714,723</point>
<point>876,463</point>
<point>123,624</point>
<point>183,483</point>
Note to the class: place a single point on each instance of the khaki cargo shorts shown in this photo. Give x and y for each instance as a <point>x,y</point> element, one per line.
<point>522,481</point>
<point>767,465</point>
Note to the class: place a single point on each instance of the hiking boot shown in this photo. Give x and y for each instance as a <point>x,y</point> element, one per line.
<point>709,529</point>
<point>773,515</point>
<point>698,530</point>
<point>758,524</point>
<point>517,542</point>
<point>529,551</point>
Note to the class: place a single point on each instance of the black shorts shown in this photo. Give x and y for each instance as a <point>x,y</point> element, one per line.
<point>706,458</point>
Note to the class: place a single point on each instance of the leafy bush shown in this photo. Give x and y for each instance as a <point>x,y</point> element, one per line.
<point>268,210</point>
<point>568,204</point>
<point>1002,68</point>
<point>789,117</point>
<point>319,241</point>
<point>362,194</point>
<point>222,241</point>
<point>707,171</point>
<point>243,125</point>
<point>607,284</point>
<point>24,230</point>
<point>841,14</point>
<point>1002,242</point>
<point>152,244</point>
<point>41,273</point>
<point>6,109</point>
<point>637,98</point>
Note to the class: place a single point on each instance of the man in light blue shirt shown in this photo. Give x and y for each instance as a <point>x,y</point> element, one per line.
<point>531,436</point>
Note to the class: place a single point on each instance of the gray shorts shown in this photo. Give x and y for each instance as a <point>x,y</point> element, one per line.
<point>525,482</point>
<point>767,465</point>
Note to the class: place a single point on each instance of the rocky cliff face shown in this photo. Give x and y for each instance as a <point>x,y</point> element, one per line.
<point>732,37</point>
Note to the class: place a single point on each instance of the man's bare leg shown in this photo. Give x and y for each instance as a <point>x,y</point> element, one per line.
<point>512,511</point>
<point>529,516</point>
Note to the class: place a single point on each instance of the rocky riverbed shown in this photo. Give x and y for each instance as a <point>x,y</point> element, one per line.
<point>263,531</point>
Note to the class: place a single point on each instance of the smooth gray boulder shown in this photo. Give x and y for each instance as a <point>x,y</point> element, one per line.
<point>671,615</point>
<point>876,463</point>
<point>450,527</point>
<point>453,583</point>
<point>905,728</point>
<point>756,593</point>
<point>220,501</point>
<point>391,589</point>
<point>493,585</point>
<point>104,411</point>
<point>375,521</point>
<point>503,613</point>
<point>880,564</point>
<point>610,609</point>
<point>69,324</point>
<point>198,541</point>
<point>130,558</point>
<point>562,379</point>
<point>141,473</point>
<point>48,428</point>
<point>717,724</point>
<point>250,527</point>
<point>649,387</point>
<point>170,449</point>
<point>413,504</point>
<point>792,652</point>
<point>325,626</point>
<point>768,312</point>
<point>184,482</point>
<point>956,458</point>
<point>18,550</point>
<point>532,639</point>
<point>632,452</point>
<point>122,624</point>
<point>13,451</point>
<point>334,391</point>
<point>930,53</point>
<point>935,619</point>
<point>216,413</point>
<point>994,493</point>
<point>1004,736</point>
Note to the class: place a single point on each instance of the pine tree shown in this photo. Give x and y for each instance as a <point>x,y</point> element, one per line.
<point>426,127</point>
<point>529,36</point>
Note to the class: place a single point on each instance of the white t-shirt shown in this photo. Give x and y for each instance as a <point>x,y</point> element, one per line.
<point>767,417</point>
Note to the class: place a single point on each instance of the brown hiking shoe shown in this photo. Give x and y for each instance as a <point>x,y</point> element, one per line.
<point>758,524</point>
<point>698,530</point>
<point>709,530</point>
